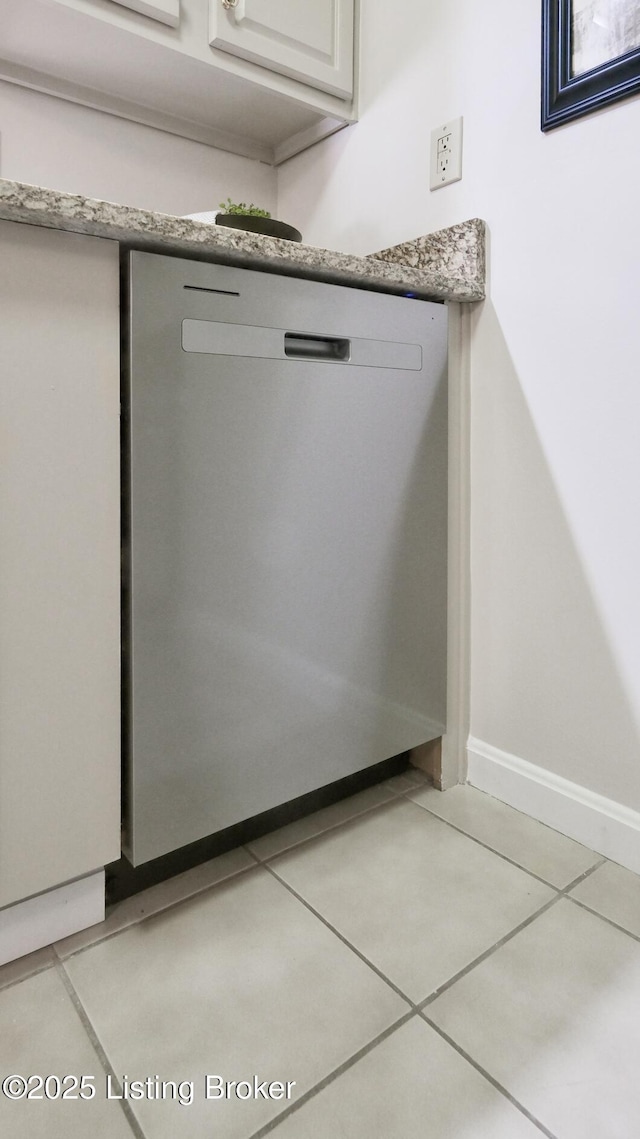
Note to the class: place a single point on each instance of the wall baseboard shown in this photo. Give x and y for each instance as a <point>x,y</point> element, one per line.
<point>30,925</point>
<point>599,823</point>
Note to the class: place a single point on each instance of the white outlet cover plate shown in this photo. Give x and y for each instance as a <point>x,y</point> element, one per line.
<point>446,154</point>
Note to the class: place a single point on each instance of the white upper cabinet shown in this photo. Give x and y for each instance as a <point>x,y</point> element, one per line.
<point>166,11</point>
<point>310,40</point>
<point>263,78</point>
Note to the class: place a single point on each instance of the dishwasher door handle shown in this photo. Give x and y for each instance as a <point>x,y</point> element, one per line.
<point>302,346</point>
<point>220,338</point>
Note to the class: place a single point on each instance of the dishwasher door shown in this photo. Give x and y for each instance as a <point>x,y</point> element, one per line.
<point>286,512</point>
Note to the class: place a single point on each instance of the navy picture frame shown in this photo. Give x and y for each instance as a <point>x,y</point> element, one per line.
<point>566,97</point>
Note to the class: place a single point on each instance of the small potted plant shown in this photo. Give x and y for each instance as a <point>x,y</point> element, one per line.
<point>238,215</point>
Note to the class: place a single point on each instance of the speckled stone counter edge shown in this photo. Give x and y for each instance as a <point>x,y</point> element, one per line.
<point>458,251</point>
<point>447,265</point>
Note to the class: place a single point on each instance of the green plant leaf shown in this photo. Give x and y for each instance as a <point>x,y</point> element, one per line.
<point>230,207</point>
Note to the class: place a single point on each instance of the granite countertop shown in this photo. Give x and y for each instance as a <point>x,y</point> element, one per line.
<point>448,265</point>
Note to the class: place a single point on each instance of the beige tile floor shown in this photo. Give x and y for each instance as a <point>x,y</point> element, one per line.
<point>403,964</point>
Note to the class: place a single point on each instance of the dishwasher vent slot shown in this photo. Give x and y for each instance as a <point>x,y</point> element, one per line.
<point>303,347</point>
<point>203,289</point>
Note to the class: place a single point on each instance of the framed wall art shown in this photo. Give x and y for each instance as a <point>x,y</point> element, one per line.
<point>590,56</point>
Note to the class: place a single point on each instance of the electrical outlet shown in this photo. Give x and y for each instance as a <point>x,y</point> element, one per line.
<point>446,154</point>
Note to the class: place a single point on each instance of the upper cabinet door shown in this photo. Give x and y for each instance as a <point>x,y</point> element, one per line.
<point>166,11</point>
<point>310,40</point>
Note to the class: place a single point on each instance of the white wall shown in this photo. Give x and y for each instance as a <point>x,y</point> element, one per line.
<point>50,142</point>
<point>555,361</point>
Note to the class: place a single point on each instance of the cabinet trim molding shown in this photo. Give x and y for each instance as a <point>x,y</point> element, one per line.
<point>48,917</point>
<point>124,109</point>
<point>599,823</point>
<point>166,11</point>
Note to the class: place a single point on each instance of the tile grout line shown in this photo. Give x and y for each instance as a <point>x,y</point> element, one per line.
<point>420,1005</point>
<point>394,797</point>
<point>499,854</point>
<point>342,938</point>
<point>560,893</point>
<point>467,968</point>
<point>58,963</point>
<point>156,913</point>
<point>98,1049</point>
<point>582,877</point>
<point>257,861</point>
<point>398,795</point>
<point>487,953</point>
<point>487,1076</point>
<point>449,984</point>
<point>478,960</point>
<point>609,921</point>
<point>334,1074</point>
<point>27,976</point>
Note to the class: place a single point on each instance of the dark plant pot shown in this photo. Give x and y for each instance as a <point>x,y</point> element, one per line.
<point>269,226</point>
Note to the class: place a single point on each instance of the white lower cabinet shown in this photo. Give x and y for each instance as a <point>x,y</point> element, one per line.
<point>60,565</point>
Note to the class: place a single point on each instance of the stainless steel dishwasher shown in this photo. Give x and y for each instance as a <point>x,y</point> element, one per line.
<point>286,502</point>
